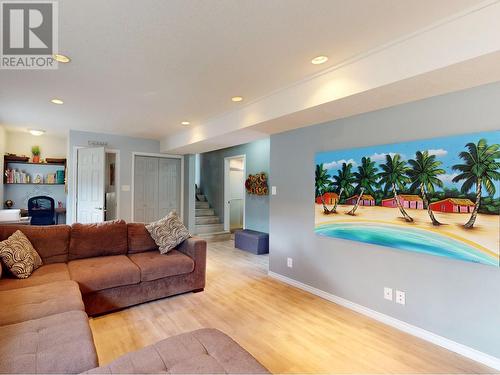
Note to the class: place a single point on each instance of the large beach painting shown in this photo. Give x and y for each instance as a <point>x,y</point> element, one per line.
<point>439,196</point>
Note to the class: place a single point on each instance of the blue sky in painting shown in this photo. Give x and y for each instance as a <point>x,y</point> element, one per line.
<point>446,150</point>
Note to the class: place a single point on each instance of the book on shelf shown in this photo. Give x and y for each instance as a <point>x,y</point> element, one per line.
<point>14,176</point>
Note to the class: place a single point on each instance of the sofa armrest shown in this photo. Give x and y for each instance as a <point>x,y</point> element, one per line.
<point>196,249</point>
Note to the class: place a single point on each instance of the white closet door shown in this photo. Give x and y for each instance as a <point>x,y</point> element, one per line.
<point>90,185</point>
<point>145,189</point>
<point>169,186</point>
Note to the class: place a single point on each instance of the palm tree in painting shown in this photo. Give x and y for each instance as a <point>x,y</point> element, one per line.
<point>323,184</point>
<point>365,178</point>
<point>480,169</point>
<point>343,182</point>
<point>394,177</point>
<point>423,173</point>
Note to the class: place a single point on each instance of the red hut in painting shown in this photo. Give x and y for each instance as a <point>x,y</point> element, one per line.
<point>406,200</point>
<point>329,198</point>
<point>453,205</point>
<point>366,200</point>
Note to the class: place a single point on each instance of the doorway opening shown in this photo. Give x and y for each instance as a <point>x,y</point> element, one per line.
<point>234,192</point>
<point>110,202</point>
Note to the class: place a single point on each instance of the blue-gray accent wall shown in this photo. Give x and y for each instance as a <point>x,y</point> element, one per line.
<point>127,146</point>
<point>454,299</point>
<point>212,181</point>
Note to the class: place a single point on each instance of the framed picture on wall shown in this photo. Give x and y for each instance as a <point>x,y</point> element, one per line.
<point>439,196</point>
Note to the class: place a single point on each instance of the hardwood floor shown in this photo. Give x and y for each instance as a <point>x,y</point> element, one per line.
<point>286,329</point>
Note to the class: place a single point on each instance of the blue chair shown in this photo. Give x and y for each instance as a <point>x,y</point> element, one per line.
<point>42,210</point>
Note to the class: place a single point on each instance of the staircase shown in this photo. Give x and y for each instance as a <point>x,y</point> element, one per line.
<point>208,225</point>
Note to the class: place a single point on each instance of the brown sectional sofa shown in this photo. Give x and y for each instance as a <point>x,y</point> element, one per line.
<point>115,264</point>
<point>97,268</point>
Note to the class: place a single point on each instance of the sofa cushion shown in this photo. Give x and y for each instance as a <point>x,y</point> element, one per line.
<point>168,232</point>
<point>60,343</point>
<point>205,351</point>
<point>48,273</point>
<point>100,239</point>
<point>139,239</point>
<point>19,255</point>
<point>94,274</point>
<point>51,241</point>
<point>34,302</point>
<point>154,265</point>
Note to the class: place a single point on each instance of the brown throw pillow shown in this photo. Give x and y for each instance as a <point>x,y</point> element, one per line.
<point>19,256</point>
<point>168,232</point>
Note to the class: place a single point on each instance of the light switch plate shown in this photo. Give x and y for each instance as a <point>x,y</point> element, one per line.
<point>388,293</point>
<point>273,190</point>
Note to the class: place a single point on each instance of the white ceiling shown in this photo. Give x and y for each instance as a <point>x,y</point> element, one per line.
<point>139,68</point>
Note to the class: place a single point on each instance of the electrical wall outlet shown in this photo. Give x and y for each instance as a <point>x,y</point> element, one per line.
<point>388,293</point>
<point>273,190</point>
<point>400,297</point>
<point>289,262</point>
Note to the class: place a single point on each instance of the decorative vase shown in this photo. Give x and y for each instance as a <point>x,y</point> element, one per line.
<point>36,158</point>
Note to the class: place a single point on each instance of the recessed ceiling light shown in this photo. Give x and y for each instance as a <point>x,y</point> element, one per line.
<point>37,132</point>
<point>236,98</point>
<point>319,60</point>
<point>185,123</point>
<point>57,101</point>
<point>61,58</point>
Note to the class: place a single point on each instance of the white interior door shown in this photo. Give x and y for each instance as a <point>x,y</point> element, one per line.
<point>90,185</point>
<point>145,189</point>
<point>169,186</point>
<point>234,192</point>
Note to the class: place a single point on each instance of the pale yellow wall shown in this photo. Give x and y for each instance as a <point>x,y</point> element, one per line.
<point>20,143</point>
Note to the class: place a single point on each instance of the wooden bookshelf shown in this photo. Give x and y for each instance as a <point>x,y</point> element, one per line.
<point>8,161</point>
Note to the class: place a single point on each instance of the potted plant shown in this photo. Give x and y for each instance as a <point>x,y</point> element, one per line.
<point>35,150</point>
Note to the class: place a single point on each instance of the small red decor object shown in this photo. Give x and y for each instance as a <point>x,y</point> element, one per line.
<point>257,184</point>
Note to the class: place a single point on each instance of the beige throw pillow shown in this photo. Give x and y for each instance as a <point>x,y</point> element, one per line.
<point>168,232</point>
<point>19,256</point>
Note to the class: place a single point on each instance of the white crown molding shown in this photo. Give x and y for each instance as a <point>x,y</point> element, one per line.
<point>451,345</point>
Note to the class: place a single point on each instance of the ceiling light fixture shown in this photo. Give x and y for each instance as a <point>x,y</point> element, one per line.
<point>61,58</point>
<point>185,123</point>
<point>319,60</point>
<point>37,132</point>
<point>236,98</point>
<point>57,101</point>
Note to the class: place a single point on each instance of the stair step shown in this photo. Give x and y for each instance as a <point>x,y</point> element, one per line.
<point>206,220</point>
<point>204,212</point>
<point>209,228</point>
<point>215,237</point>
<point>200,204</point>
<point>201,197</point>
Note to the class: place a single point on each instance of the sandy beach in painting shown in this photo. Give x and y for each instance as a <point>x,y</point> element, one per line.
<point>484,236</point>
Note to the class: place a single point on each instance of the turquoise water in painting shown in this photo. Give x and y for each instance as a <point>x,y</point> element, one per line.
<point>411,239</point>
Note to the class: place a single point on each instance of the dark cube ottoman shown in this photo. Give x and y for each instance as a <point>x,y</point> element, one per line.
<point>252,240</point>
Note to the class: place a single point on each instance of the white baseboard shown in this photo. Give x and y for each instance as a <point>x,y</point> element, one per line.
<point>456,347</point>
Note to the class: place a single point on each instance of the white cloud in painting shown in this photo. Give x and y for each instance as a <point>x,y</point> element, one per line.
<point>381,157</point>
<point>438,152</point>
<point>448,177</point>
<point>338,164</point>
